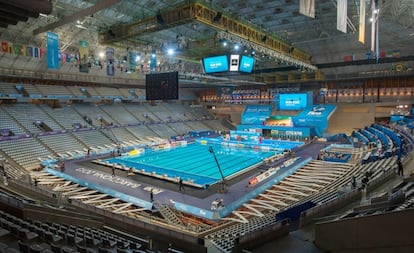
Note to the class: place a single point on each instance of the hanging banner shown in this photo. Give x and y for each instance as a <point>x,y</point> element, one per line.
<point>153,63</point>
<point>307,8</point>
<point>373,25</point>
<point>132,60</point>
<point>110,63</point>
<point>83,56</point>
<point>361,37</point>
<point>341,15</point>
<point>52,44</point>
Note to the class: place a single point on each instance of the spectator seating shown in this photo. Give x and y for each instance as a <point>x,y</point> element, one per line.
<point>36,236</point>
<point>76,91</point>
<point>94,139</point>
<point>65,116</point>
<point>108,92</point>
<point>26,152</point>
<point>119,114</point>
<point>53,91</point>
<point>32,90</point>
<point>162,130</point>
<point>96,114</point>
<point>27,115</point>
<point>141,131</point>
<point>62,143</point>
<point>8,122</point>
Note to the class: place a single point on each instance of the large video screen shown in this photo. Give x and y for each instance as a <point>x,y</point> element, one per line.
<point>162,86</point>
<point>294,101</point>
<point>216,64</point>
<point>234,62</point>
<point>246,64</point>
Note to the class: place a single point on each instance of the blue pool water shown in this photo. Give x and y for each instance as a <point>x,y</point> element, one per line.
<point>194,161</point>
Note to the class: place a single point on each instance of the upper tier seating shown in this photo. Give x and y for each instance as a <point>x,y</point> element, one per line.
<point>119,113</point>
<point>28,115</point>
<point>66,116</point>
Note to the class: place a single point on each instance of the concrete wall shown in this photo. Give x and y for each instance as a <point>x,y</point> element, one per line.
<point>349,117</point>
<point>390,232</point>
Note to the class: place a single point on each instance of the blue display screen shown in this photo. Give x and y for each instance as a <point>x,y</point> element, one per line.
<point>216,64</point>
<point>246,64</point>
<point>294,101</point>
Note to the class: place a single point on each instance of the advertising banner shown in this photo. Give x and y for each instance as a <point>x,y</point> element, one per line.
<point>83,56</point>
<point>295,101</point>
<point>52,43</point>
<point>110,62</point>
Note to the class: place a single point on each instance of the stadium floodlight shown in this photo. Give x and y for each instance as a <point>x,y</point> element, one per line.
<point>223,180</point>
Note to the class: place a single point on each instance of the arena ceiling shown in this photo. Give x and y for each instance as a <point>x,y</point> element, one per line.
<point>129,25</point>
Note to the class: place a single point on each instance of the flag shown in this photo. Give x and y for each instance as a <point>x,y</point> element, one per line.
<point>16,49</point>
<point>63,57</point>
<point>52,43</point>
<point>42,52</point>
<point>4,46</point>
<point>361,37</point>
<point>36,52</point>
<point>307,8</point>
<point>83,56</point>
<point>396,53</point>
<point>30,51</point>
<point>23,50</point>
<point>341,15</point>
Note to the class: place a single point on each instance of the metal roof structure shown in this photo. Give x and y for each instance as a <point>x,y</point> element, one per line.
<point>281,39</point>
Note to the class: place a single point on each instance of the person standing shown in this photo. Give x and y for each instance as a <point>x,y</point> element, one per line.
<point>113,169</point>
<point>353,182</point>
<point>180,184</point>
<point>151,195</point>
<point>400,169</point>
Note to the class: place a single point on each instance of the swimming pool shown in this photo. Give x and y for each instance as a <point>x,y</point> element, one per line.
<point>194,162</point>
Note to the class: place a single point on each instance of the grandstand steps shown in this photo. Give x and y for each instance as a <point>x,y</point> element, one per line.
<point>127,108</point>
<point>228,124</point>
<point>11,168</point>
<point>24,92</point>
<point>41,107</point>
<point>85,92</point>
<point>111,136</point>
<point>46,146</point>
<point>168,214</point>
<point>79,140</point>
<point>15,121</point>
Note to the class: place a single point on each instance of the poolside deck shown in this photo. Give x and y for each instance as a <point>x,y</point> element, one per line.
<point>138,186</point>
